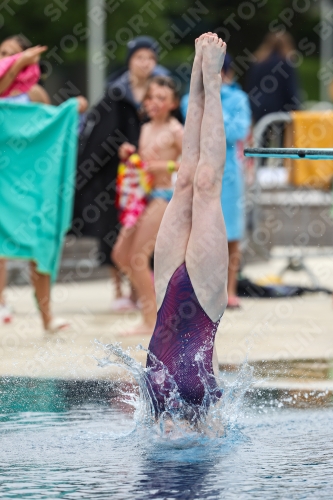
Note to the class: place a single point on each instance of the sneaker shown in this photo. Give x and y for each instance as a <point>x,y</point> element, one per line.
<point>5,313</point>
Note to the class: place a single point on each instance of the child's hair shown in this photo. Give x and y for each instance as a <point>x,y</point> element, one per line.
<point>21,40</point>
<point>164,81</point>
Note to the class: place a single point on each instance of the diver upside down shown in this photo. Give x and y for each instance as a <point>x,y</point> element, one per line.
<point>183,343</point>
<point>191,253</point>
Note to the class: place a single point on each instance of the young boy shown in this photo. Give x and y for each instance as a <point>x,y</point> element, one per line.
<point>159,147</point>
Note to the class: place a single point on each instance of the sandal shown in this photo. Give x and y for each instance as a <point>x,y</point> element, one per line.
<point>5,313</point>
<point>123,304</point>
<point>57,325</point>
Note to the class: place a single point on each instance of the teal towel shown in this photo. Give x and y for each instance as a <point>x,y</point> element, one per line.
<point>38,145</point>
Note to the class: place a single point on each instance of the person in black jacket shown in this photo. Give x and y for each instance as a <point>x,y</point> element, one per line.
<point>113,121</point>
<point>272,80</point>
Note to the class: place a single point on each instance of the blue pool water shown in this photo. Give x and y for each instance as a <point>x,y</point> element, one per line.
<point>74,440</point>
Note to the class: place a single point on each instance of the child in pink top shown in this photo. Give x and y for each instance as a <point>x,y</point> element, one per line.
<point>19,70</point>
<point>24,80</point>
<point>19,75</point>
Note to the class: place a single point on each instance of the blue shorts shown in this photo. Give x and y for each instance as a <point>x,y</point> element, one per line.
<point>163,193</point>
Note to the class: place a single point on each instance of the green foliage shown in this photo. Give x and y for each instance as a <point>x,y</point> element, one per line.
<point>57,22</point>
<point>308,72</point>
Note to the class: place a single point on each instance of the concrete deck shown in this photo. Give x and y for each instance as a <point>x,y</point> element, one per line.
<point>264,329</point>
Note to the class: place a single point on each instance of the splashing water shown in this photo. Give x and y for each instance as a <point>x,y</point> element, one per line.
<point>180,424</point>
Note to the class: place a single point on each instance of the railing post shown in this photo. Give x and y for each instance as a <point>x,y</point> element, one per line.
<point>96,21</point>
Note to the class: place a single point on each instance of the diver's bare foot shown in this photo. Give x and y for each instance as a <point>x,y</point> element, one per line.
<point>198,47</point>
<point>213,50</point>
<point>143,330</point>
<point>196,78</point>
<point>198,50</point>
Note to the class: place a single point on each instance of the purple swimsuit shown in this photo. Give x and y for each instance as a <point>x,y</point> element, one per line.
<point>183,341</point>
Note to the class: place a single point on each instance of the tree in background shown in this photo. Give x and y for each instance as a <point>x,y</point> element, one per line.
<point>62,25</point>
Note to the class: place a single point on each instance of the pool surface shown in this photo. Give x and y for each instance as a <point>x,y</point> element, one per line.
<point>63,439</point>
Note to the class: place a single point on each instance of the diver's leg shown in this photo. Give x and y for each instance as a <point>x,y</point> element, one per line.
<point>207,251</point>
<point>175,228</point>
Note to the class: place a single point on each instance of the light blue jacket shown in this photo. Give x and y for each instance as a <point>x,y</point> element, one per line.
<point>237,122</point>
<point>236,116</point>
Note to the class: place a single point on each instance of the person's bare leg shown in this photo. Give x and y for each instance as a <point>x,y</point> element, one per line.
<point>122,248</point>
<point>42,286</point>
<point>3,280</point>
<point>234,262</point>
<point>207,250</point>
<point>116,278</point>
<point>121,256</point>
<point>176,225</point>
<point>139,257</point>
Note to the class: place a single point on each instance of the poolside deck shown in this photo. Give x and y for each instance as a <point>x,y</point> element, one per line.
<point>264,329</point>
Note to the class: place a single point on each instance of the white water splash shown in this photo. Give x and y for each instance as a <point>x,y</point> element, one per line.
<point>180,422</point>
